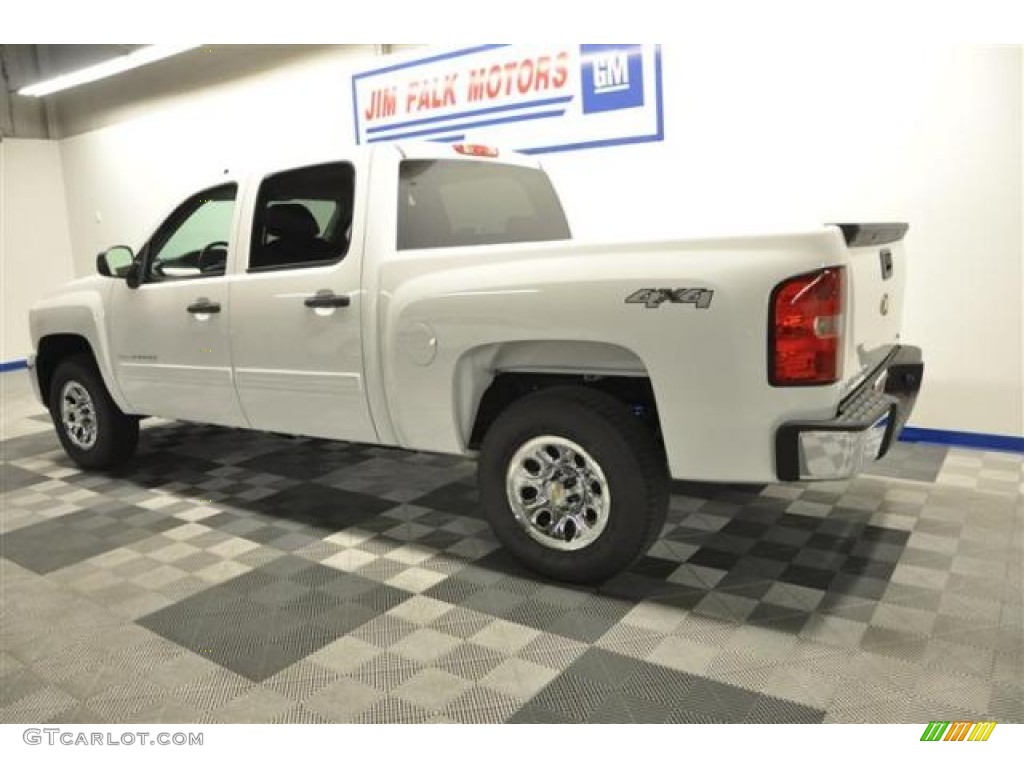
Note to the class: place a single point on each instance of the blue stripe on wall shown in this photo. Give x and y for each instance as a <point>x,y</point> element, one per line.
<point>963,439</point>
<point>13,365</point>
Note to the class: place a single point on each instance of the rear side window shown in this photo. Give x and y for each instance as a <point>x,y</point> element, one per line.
<point>446,203</point>
<point>303,218</point>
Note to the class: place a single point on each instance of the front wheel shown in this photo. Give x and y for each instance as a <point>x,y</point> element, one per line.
<point>572,484</point>
<point>95,433</point>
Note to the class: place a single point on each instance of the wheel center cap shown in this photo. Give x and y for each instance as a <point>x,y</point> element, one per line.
<point>558,494</point>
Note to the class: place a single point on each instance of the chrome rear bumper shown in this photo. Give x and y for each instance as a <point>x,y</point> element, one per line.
<point>867,423</point>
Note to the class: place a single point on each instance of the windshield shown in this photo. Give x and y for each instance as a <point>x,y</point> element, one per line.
<point>447,203</point>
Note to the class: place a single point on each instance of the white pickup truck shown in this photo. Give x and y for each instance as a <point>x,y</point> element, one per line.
<point>429,297</point>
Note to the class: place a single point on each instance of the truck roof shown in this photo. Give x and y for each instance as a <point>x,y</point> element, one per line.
<point>412,150</point>
<point>432,150</point>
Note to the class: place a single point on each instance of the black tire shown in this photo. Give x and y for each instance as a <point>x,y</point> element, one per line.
<point>116,434</point>
<point>625,450</point>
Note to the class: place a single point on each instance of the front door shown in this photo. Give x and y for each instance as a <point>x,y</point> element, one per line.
<point>295,308</point>
<point>170,336</point>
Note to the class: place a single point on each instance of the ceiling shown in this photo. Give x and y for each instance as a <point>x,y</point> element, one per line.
<point>78,110</point>
<point>28,64</point>
<point>22,65</point>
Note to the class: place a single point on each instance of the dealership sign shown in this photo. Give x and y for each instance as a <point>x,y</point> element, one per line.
<point>534,98</point>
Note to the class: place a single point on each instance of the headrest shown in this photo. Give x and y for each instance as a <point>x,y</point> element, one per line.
<point>291,220</point>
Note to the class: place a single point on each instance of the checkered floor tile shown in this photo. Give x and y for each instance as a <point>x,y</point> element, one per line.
<point>237,577</point>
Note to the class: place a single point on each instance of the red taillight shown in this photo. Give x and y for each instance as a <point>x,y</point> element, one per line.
<point>475,150</point>
<point>806,329</point>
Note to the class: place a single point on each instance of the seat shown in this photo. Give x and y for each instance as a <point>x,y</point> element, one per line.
<point>296,237</point>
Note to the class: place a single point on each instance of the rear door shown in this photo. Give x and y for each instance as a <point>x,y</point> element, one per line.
<point>297,341</point>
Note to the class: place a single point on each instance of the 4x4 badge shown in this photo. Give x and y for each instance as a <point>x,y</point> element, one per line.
<point>652,298</point>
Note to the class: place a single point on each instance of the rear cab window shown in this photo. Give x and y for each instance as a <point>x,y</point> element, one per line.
<point>452,203</point>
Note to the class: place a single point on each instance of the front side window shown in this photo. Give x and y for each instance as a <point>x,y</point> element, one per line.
<point>303,218</point>
<point>446,203</point>
<point>193,242</point>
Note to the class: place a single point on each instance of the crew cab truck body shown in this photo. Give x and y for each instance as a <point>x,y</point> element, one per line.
<point>429,297</point>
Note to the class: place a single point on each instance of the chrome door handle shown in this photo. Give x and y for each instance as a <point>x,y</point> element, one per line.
<point>203,307</point>
<point>326,300</point>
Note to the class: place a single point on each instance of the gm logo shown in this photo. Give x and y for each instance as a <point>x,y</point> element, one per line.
<point>613,77</point>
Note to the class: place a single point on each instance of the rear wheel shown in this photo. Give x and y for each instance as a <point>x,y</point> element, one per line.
<point>95,433</point>
<point>572,484</point>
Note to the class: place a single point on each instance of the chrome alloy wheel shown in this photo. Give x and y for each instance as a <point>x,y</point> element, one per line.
<point>558,493</point>
<point>78,415</point>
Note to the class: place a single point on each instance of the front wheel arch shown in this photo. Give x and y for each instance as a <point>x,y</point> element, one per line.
<point>52,350</point>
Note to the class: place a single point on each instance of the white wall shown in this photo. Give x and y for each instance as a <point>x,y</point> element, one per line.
<point>755,137</point>
<point>35,247</point>
<point>124,177</point>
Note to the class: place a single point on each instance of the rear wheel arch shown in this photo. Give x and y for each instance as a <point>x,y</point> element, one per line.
<point>490,378</point>
<point>507,388</point>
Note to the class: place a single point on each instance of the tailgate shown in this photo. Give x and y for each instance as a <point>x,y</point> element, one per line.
<point>877,277</point>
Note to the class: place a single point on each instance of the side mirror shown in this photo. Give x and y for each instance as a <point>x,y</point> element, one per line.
<point>118,261</point>
<point>114,262</point>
